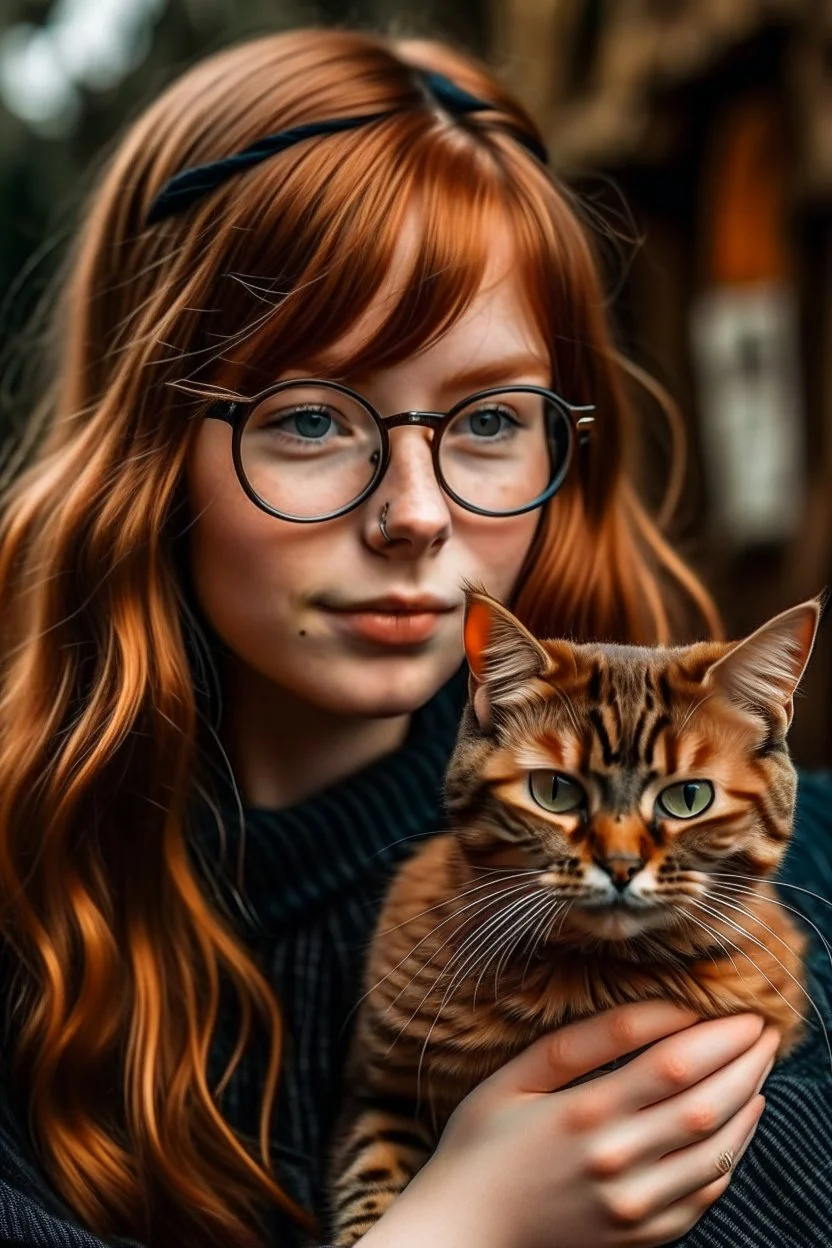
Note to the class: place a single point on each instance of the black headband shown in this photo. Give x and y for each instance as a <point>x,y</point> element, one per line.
<point>185,188</point>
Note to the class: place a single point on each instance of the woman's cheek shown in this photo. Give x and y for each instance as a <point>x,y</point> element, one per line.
<point>497,553</point>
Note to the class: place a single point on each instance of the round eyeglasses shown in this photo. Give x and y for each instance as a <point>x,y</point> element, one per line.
<point>308,450</point>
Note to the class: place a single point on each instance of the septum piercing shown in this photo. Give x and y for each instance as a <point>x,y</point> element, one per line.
<point>382,524</point>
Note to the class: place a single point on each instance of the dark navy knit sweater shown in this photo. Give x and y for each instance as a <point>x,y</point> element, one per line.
<point>314,878</point>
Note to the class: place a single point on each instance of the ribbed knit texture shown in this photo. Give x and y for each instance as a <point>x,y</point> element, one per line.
<point>314,878</point>
<point>315,875</point>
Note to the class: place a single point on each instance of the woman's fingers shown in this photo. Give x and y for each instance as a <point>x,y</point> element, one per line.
<point>695,1173</point>
<point>682,1060</point>
<point>685,1171</point>
<point>556,1059</point>
<point>675,1125</point>
<point>702,1110</point>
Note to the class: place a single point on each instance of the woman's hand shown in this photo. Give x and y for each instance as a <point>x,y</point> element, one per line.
<point>628,1158</point>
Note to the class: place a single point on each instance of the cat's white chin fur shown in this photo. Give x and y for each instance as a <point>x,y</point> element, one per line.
<point>617,923</point>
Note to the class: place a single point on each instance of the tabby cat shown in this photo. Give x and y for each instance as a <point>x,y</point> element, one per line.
<point>614,813</point>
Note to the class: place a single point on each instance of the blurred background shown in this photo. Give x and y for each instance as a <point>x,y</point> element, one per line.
<point>698,131</point>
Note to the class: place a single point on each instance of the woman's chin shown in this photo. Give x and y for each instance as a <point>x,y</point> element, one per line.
<point>374,688</point>
<point>399,686</point>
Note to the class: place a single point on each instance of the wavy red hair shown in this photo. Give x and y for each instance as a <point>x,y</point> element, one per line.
<point>117,956</point>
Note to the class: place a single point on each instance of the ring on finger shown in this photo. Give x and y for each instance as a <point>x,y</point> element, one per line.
<point>725,1161</point>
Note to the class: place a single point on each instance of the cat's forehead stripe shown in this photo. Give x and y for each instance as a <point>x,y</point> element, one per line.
<point>625,709</point>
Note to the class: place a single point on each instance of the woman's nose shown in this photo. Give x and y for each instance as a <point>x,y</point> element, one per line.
<point>417,518</point>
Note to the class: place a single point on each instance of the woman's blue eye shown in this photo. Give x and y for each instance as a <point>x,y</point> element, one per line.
<point>308,423</point>
<point>488,422</point>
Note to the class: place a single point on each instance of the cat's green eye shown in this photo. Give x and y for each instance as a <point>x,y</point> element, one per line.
<point>556,792</point>
<point>685,800</point>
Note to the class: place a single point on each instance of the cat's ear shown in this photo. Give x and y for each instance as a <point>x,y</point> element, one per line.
<point>502,655</point>
<point>763,671</point>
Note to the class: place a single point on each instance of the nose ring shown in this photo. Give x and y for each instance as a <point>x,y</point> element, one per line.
<point>382,524</point>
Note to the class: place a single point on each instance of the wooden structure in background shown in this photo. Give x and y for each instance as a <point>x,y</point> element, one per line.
<point>714,118</point>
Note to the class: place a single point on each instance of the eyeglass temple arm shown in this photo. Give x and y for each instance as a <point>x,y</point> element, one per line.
<point>224,409</point>
<point>584,423</point>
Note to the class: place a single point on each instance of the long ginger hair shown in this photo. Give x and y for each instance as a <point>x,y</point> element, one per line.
<point>116,955</point>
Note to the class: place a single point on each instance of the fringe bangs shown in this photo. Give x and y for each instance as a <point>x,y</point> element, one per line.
<point>313,237</point>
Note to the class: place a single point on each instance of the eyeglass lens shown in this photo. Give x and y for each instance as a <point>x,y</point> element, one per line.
<point>309,450</point>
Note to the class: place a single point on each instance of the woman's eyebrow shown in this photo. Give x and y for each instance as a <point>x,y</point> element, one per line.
<point>494,372</point>
<point>490,372</point>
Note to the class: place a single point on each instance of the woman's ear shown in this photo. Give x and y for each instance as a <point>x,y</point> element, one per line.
<point>503,656</point>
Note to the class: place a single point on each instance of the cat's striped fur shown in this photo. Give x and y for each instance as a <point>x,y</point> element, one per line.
<point>486,940</point>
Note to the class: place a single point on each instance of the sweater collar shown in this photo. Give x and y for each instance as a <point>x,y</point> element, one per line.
<point>296,857</point>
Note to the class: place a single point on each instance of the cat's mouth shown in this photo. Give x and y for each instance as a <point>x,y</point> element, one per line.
<point>617,917</point>
<point>614,901</point>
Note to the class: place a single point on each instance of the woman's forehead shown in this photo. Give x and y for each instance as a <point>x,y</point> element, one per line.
<point>497,325</point>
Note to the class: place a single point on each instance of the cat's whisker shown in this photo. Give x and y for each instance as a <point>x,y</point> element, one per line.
<point>706,927</point>
<point>495,918</point>
<point>737,927</point>
<point>775,901</point>
<point>733,875</point>
<point>747,956</point>
<point>482,902</point>
<point>399,840</point>
<point>525,870</point>
<point>711,957</point>
<point>563,917</point>
<point>510,875</point>
<point>748,913</point>
<point>778,884</point>
<point>772,900</point>
<point>550,913</point>
<point>509,952</point>
<point>505,944</point>
<point>488,932</point>
<point>485,934</point>
<point>440,905</point>
<point>459,977</point>
<point>540,929</point>
<point>374,987</point>
<point>503,941</point>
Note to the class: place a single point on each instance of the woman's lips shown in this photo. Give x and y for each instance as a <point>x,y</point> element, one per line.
<point>388,628</point>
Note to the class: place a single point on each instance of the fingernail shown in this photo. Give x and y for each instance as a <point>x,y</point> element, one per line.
<point>750,1135</point>
<point>765,1075</point>
<point>756,1123</point>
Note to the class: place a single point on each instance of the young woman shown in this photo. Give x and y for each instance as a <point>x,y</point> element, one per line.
<point>231,674</point>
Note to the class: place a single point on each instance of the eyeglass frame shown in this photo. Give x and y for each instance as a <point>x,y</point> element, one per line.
<point>235,412</point>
